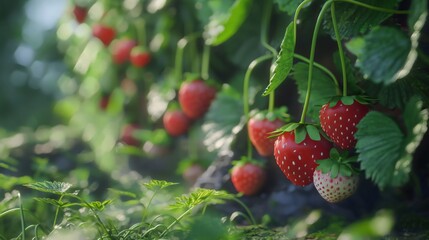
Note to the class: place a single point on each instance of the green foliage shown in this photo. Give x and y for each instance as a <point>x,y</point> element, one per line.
<point>418,14</point>
<point>158,184</point>
<point>288,6</point>
<point>224,24</point>
<point>382,54</point>
<point>201,196</point>
<point>324,88</point>
<point>354,20</point>
<point>284,61</point>
<point>221,129</point>
<point>384,151</point>
<point>58,188</point>
<point>376,227</point>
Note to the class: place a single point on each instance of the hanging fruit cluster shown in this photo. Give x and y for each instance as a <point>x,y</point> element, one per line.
<point>343,130</point>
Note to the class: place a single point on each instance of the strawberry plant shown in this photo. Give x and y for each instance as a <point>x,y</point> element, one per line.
<point>205,83</point>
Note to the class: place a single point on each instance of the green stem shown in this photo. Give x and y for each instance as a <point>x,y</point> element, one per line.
<point>295,18</point>
<point>140,26</point>
<point>147,206</point>
<point>264,27</point>
<point>375,8</point>
<point>321,67</point>
<point>175,222</point>
<point>181,44</point>
<point>22,216</point>
<point>57,211</point>
<point>264,41</point>
<point>205,62</point>
<point>249,213</point>
<point>340,48</point>
<point>246,82</point>
<point>311,59</point>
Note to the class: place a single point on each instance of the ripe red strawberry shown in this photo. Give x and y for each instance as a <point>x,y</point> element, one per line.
<point>121,50</point>
<point>127,135</point>
<point>80,13</point>
<point>195,98</point>
<point>334,189</point>
<point>106,34</point>
<point>248,178</point>
<point>298,160</point>
<point>339,121</point>
<point>260,129</point>
<point>140,57</point>
<point>176,122</point>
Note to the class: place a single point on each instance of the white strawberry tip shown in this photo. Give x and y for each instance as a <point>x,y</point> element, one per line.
<point>336,189</point>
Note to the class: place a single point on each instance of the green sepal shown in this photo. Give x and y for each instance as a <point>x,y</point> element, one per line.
<point>245,160</point>
<point>277,113</point>
<point>338,164</point>
<point>349,100</point>
<point>313,132</point>
<point>300,134</point>
<point>289,127</point>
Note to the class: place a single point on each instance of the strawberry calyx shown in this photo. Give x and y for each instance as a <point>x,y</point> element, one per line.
<point>338,164</point>
<point>278,113</point>
<point>349,100</point>
<point>301,130</point>
<point>191,77</point>
<point>245,160</point>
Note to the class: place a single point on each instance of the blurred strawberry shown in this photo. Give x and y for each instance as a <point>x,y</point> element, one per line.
<point>140,57</point>
<point>80,13</point>
<point>127,135</point>
<point>106,34</point>
<point>121,50</point>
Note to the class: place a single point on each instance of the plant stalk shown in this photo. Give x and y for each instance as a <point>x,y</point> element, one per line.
<point>311,59</point>
<point>340,48</point>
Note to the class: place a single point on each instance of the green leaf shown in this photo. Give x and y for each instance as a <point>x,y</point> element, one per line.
<point>51,201</point>
<point>335,169</point>
<point>158,184</point>
<point>300,134</point>
<point>201,196</point>
<point>288,6</point>
<point>224,25</point>
<point>313,132</point>
<point>99,205</point>
<point>415,121</point>
<point>284,61</point>
<point>354,20</point>
<point>397,94</point>
<point>379,144</point>
<point>323,88</point>
<point>374,228</point>
<point>222,129</point>
<point>59,188</point>
<point>383,56</point>
<point>418,13</point>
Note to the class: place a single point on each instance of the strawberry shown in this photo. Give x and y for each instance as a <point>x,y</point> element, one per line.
<point>121,50</point>
<point>127,135</point>
<point>260,127</point>
<point>334,178</point>
<point>176,122</point>
<point>140,57</point>
<point>248,177</point>
<point>106,34</point>
<point>296,152</point>
<point>195,98</point>
<point>338,120</point>
<point>80,13</point>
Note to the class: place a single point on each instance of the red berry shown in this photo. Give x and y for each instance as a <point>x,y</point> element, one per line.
<point>192,173</point>
<point>80,13</point>
<point>140,57</point>
<point>259,134</point>
<point>334,189</point>
<point>248,178</point>
<point>121,50</point>
<point>339,122</point>
<point>195,98</point>
<point>127,135</point>
<point>298,160</point>
<point>104,33</point>
<point>176,122</point>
